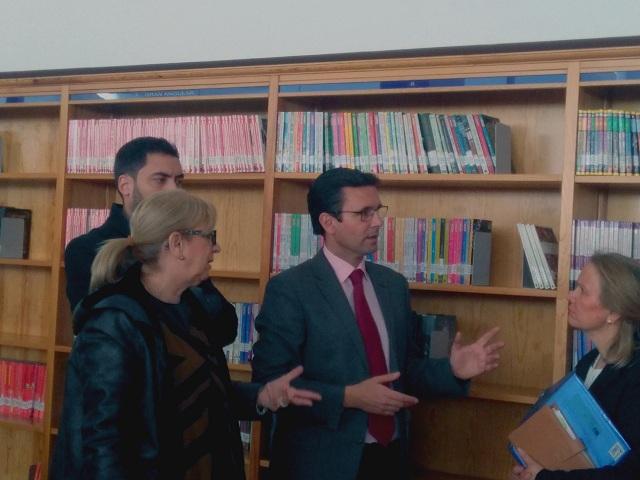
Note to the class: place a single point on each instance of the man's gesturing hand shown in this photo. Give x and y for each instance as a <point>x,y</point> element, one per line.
<point>374,396</point>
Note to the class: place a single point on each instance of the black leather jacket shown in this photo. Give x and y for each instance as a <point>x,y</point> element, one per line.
<point>114,423</point>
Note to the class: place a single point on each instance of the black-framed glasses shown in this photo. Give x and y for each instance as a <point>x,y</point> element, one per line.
<point>367,213</point>
<point>209,234</point>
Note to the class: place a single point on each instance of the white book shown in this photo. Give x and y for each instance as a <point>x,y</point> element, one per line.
<point>543,266</point>
<point>529,255</point>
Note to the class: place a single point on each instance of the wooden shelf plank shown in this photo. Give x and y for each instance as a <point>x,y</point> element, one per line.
<point>239,367</point>
<point>498,181</point>
<point>16,424</point>
<point>28,177</point>
<point>609,181</point>
<point>28,105</point>
<point>476,290</point>
<point>25,262</point>
<point>35,342</point>
<point>240,177</point>
<point>503,393</point>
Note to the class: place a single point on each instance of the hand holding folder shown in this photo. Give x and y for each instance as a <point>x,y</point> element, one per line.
<point>567,430</point>
<point>545,439</point>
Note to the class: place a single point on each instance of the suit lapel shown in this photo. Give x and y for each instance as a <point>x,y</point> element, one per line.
<point>334,296</point>
<point>381,287</point>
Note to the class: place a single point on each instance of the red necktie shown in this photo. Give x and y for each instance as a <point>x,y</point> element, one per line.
<point>381,427</point>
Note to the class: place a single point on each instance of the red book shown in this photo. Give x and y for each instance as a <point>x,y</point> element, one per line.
<point>28,387</point>
<point>38,393</point>
<point>4,387</point>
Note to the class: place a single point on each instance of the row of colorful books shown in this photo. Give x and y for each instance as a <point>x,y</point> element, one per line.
<point>430,250</point>
<point>608,143</point>
<point>293,240</point>
<point>591,236</point>
<point>80,220</point>
<point>392,142</point>
<point>540,259</point>
<point>22,387</point>
<point>206,143</point>
<point>240,350</point>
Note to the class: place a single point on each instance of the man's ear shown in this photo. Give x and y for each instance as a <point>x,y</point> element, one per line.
<point>126,185</point>
<point>328,222</point>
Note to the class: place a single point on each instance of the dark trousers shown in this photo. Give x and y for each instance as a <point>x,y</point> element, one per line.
<point>388,462</point>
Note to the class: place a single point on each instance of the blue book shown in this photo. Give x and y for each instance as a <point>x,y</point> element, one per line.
<point>604,445</point>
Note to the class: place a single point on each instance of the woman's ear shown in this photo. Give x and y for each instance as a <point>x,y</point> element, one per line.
<point>613,318</point>
<point>175,244</point>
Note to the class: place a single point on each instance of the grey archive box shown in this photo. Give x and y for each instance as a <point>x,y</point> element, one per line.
<point>15,232</point>
<point>481,256</point>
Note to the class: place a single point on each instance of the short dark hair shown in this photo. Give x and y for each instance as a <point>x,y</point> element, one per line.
<point>325,193</point>
<point>132,156</point>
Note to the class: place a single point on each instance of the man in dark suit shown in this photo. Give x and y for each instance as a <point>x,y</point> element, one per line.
<point>142,166</point>
<point>348,322</point>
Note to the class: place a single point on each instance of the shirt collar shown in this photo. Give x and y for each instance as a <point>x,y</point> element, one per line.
<point>342,268</point>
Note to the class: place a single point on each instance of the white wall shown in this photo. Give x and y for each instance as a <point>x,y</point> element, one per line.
<point>48,34</point>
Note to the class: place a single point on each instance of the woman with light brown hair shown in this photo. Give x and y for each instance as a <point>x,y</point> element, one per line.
<point>148,393</point>
<point>605,305</point>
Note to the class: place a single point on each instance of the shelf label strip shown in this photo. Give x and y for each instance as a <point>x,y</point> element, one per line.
<point>29,99</point>
<point>608,76</point>
<point>428,83</point>
<point>191,92</point>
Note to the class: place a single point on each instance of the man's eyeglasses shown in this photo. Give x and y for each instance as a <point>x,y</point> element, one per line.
<point>367,213</point>
<point>210,234</point>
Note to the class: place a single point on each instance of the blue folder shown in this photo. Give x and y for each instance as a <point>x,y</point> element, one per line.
<point>603,442</point>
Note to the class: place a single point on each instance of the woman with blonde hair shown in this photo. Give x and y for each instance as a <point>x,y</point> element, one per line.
<point>606,306</point>
<point>148,393</point>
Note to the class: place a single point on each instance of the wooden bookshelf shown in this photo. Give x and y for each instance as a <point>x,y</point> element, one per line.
<point>538,94</point>
<point>190,178</point>
<point>482,290</point>
<point>504,181</point>
<point>27,177</point>
<point>20,425</point>
<point>34,342</point>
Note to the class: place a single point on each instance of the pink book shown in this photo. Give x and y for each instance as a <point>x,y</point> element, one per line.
<point>4,387</point>
<point>12,390</point>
